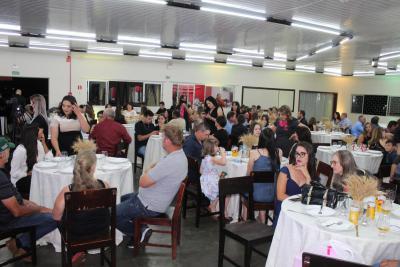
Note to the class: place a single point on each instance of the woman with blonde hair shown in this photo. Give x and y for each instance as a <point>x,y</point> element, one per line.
<point>343,165</point>
<point>378,140</point>
<point>88,223</point>
<point>38,103</point>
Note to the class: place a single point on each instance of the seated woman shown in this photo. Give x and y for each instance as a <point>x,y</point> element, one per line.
<point>312,124</point>
<point>343,165</point>
<point>364,138</point>
<point>87,223</point>
<point>300,171</point>
<point>255,129</point>
<point>265,158</point>
<point>161,122</point>
<point>378,140</point>
<point>129,111</point>
<point>32,149</point>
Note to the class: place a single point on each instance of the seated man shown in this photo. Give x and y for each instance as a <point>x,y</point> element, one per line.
<point>194,143</point>
<point>345,123</point>
<point>157,186</point>
<point>109,133</point>
<point>358,127</point>
<point>238,130</point>
<point>178,121</point>
<point>143,130</point>
<point>16,212</point>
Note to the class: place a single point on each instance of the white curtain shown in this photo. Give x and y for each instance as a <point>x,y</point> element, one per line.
<point>318,105</point>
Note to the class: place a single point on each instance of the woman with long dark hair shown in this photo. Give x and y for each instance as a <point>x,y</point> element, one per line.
<point>235,107</point>
<point>183,110</point>
<point>213,111</point>
<point>336,118</point>
<point>118,115</point>
<point>31,150</point>
<point>67,125</point>
<point>300,171</point>
<point>265,158</point>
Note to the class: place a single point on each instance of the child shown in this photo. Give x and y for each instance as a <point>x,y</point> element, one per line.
<point>390,153</point>
<point>209,170</point>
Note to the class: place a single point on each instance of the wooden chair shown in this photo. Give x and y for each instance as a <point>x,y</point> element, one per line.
<point>263,178</point>
<point>193,190</point>
<point>89,200</point>
<point>311,260</point>
<point>12,234</point>
<point>135,165</point>
<point>326,170</point>
<point>316,145</point>
<point>166,220</point>
<point>249,233</point>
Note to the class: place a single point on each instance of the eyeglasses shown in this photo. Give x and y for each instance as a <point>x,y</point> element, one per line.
<point>300,155</point>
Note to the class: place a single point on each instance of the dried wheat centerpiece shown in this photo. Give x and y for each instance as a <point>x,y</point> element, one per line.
<point>348,139</point>
<point>249,140</point>
<point>80,145</point>
<point>361,187</point>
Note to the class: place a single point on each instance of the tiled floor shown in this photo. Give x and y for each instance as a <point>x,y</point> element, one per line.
<point>199,247</point>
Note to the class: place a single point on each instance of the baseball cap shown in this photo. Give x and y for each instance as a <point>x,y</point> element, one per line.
<point>4,144</point>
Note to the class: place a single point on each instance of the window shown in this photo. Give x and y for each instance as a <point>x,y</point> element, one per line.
<point>357,103</point>
<point>121,93</point>
<point>267,97</point>
<point>375,104</point>
<point>152,94</point>
<point>319,105</point>
<point>394,106</point>
<point>97,92</point>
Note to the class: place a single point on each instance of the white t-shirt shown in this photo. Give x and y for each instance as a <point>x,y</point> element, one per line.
<point>66,125</point>
<point>19,168</point>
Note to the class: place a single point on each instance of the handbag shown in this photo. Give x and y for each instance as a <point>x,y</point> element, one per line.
<point>317,194</point>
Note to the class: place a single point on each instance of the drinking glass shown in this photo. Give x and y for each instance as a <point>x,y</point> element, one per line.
<point>235,151</point>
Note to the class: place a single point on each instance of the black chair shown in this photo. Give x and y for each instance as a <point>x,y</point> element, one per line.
<point>326,170</point>
<point>122,150</point>
<point>12,234</point>
<point>193,190</point>
<point>316,145</point>
<point>136,156</point>
<point>84,201</point>
<point>312,260</point>
<point>263,178</point>
<point>339,142</point>
<point>384,171</point>
<point>249,233</point>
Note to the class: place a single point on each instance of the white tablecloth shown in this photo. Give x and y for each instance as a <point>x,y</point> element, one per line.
<point>368,161</point>
<point>131,150</point>
<point>324,137</point>
<point>298,233</point>
<point>47,183</point>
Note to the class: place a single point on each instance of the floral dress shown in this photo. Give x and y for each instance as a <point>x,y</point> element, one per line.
<point>209,178</point>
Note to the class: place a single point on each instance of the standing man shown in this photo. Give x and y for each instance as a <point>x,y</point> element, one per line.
<point>301,117</point>
<point>143,130</point>
<point>157,186</point>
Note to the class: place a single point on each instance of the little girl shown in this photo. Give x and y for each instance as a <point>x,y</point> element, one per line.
<point>209,171</point>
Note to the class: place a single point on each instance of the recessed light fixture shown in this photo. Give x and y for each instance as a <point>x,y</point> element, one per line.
<point>236,6</point>
<point>232,13</point>
<point>11,27</point>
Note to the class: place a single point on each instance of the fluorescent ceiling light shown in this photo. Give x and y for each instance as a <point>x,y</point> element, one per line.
<point>315,28</point>
<point>138,39</point>
<point>3,45</point>
<point>390,56</point>
<point>389,53</point>
<point>153,56</point>
<point>138,44</point>
<point>332,73</point>
<point>198,50</point>
<point>248,56</point>
<point>246,51</point>
<point>305,68</point>
<point>160,2</point>
<point>234,60</point>
<point>302,57</point>
<point>232,13</point>
<point>149,54</point>
<point>345,40</point>
<point>111,49</point>
<point>392,72</point>
<point>10,33</point>
<point>10,27</point>
<point>66,38</point>
<point>199,57</point>
<point>36,43</point>
<point>323,49</point>
<point>198,46</point>
<point>239,64</point>
<point>105,52</point>
<point>225,4</point>
<point>199,60</point>
<point>363,73</point>
<point>71,33</point>
<point>49,48</point>
<point>317,23</point>
<point>274,66</point>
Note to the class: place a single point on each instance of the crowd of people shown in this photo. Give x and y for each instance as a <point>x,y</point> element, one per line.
<point>212,133</point>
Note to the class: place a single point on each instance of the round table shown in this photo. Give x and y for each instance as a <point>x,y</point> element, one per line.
<point>369,160</point>
<point>131,149</point>
<point>47,183</point>
<point>296,233</point>
<point>324,137</point>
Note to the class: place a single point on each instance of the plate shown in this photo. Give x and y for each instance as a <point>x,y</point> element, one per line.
<point>313,210</point>
<point>46,164</point>
<point>335,224</point>
<point>117,160</point>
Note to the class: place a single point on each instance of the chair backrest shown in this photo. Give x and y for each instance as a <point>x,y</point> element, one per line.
<point>384,171</point>
<point>231,186</point>
<point>339,142</point>
<point>312,260</point>
<point>178,202</point>
<point>263,177</point>
<point>326,170</point>
<point>122,149</point>
<point>88,200</point>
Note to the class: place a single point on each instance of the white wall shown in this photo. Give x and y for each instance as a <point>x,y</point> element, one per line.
<point>85,67</point>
